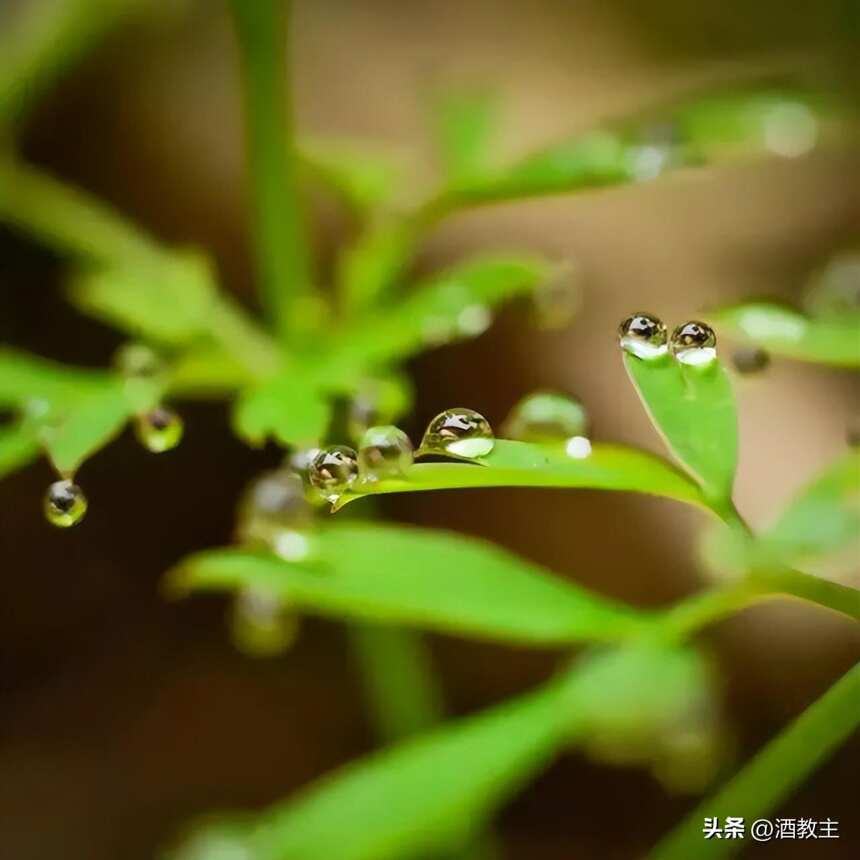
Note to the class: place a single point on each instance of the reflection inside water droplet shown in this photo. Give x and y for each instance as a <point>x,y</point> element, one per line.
<point>694,343</point>
<point>65,504</point>
<point>459,431</point>
<point>643,335</point>
<point>159,430</point>
<point>333,471</point>
<point>385,452</point>
<point>545,417</point>
<point>578,447</point>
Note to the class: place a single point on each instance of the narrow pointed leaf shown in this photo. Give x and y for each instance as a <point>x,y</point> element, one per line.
<point>693,409</point>
<point>786,332</point>
<point>450,583</point>
<point>522,464</point>
<point>783,765</point>
<point>288,408</point>
<point>424,797</point>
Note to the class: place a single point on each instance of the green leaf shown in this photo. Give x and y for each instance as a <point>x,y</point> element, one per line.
<point>169,303</point>
<point>89,425</point>
<point>521,464</point>
<point>693,408</point>
<point>464,124</point>
<point>593,160</point>
<point>364,179</point>
<point>25,378</point>
<point>783,765</point>
<point>787,332</point>
<point>450,583</point>
<point>17,448</point>
<point>423,797</point>
<point>288,408</point>
<point>454,304</point>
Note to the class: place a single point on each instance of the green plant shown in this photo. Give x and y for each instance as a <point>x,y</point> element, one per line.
<point>640,692</point>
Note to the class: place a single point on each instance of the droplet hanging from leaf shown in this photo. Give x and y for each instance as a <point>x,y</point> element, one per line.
<point>65,504</point>
<point>694,343</point>
<point>333,471</point>
<point>643,335</point>
<point>159,430</point>
<point>261,625</point>
<point>384,452</point>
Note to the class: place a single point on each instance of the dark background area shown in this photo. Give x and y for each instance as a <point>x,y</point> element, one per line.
<point>122,715</point>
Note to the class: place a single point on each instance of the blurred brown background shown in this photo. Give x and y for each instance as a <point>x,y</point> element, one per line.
<point>120,715</point>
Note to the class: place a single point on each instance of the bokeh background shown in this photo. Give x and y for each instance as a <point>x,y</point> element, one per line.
<point>121,715</point>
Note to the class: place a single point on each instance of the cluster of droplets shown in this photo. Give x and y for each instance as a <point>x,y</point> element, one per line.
<point>158,429</point>
<point>645,336</point>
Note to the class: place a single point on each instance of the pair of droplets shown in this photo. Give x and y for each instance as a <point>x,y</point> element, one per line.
<point>692,343</point>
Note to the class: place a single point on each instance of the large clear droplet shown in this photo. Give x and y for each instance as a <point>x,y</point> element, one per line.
<point>748,360</point>
<point>159,430</point>
<point>462,432</point>
<point>333,471</point>
<point>65,504</point>
<point>385,452</point>
<point>274,502</point>
<point>643,335</point>
<point>694,343</point>
<point>546,417</point>
<point>138,361</point>
<point>261,624</point>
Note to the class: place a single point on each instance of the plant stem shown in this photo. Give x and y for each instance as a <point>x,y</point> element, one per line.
<point>402,694</point>
<point>814,589</point>
<point>280,241</point>
<point>773,774</point>
<point>70,221</point>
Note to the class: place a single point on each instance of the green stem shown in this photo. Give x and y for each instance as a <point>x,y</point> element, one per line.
<point>772,775</point>
<point>402,695</point>
<point>70,221</point>
<point>814,589</point>
<point>281,247</point>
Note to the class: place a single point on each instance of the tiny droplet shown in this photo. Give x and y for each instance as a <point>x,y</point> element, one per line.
<point>546,417</point>
<point>578,447</point>
<point>643,335</point>
<point>292,545</point>
<point>750,359</point>
<point>261,624</point>
<point>137,361</point>
<point>159,430</point>
<point>458,431</point>
<point>694,343</point>
<point>65,504</point>
<point>333,471</point>
<point>384,452</point>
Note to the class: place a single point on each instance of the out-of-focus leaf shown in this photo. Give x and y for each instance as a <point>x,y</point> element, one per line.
<point>521,464</point>
<point>450,583</point>
<point>455,304</point>
<point>18,447</point>
<point>87,426</point>
<point>593,160</point>
<point>288,408</point>
<point>784,123</point>
<point>169,303</point>
<point>25,378</point>
<point>424,797</point>
<point>783,765</point>
<point>374,262</point>
<point>205,371</point>
<point>464,123</point>
<point>363,178</point>
<point>693,409</point>
<point>783,331</point>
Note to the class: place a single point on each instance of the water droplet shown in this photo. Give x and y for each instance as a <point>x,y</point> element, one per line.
<point>790,129</point>
<point>299,462</point>
<point>137,361</point>
<point>275,501</point>
<point>385,452</point>
<point>643,335</point>
<point>159,430</point>
<point>261,624</point>
<point>473,320</point>
<point>578,447</point>
<point>750,359</point>
<point>546,417</point>
<point>557,300</point>
<point>659,148</point>
<point>333,471</point>
<point>694,343</point>
<point>292,545</point>
<point>65,504</point>
<point>462,432</point>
